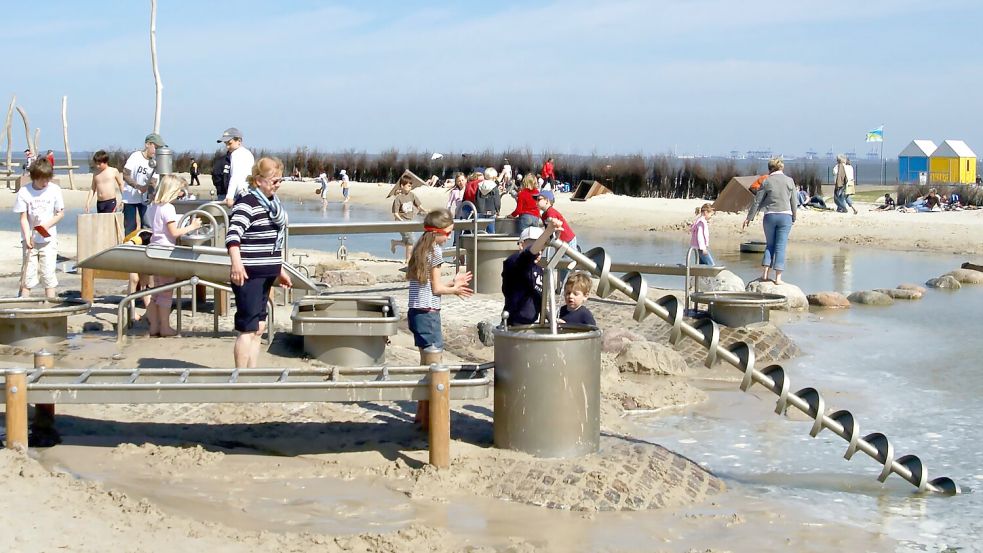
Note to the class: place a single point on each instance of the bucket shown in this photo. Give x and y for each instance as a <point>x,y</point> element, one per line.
<point>493,250</point>
<point>548,390</point>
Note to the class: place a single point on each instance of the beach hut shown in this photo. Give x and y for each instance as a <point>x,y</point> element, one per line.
<point>952,162</point>
<point>914,160</point>
<point>735,196</point>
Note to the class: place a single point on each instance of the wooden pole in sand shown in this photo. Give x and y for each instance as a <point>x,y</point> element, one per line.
<point>16,396</point>
<point>27,129</point>
<point>153,58</point>
<point>440,416</point>
<point>44,413</point>
<point>64,128</point>
<point>7,131</point>
<point>428,356</point>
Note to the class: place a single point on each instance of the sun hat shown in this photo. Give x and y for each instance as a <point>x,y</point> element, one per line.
<point>343,172</point>
<point>229,134</point>
<point>154,139</point>
<point>530,233</point>
<point>548,194</point>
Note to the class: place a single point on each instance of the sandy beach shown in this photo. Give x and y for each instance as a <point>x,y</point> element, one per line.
<point>231,478</point>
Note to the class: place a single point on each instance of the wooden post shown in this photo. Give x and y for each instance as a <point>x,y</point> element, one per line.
<point>16,387</point>
<point>88,284</point>
<point>8,124</point>
<point>440,416</point>
<point>27,130</point>
<point>44,413</point>
<point>64,128</point>
<point>221,302</point>
<point>428,356</point>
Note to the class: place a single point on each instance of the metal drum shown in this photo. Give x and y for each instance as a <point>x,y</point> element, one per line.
<point>739,308</point>
<point>493,250</point>
<point>548,390</point>
<point>507,225</point>
<point>349,331</point>
<point>164,161</point>
<point>31,323</point>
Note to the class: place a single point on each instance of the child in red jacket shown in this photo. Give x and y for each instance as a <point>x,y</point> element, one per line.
<point>525,207</point>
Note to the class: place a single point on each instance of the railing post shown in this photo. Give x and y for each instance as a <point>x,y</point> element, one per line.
<point>440,417</point>
<point>44,413</point>
<point>16,397</point>
<point>428,356</point>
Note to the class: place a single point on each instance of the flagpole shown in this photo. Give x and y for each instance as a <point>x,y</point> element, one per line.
<point>883,167</point>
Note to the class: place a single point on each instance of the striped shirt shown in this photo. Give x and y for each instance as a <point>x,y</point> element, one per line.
<point>251,228</point>
<point>421,293</point>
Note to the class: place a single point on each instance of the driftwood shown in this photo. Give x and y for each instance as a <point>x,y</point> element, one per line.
<point>153,58</point>
<point>7,131</point>
<point>27,129</point>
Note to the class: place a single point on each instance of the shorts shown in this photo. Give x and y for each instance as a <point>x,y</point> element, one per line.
<point>251,302</point>
<point>408,238</point>
<point>39,265</point>
<point>163,298</point>
<point>106,206</point>
<point>425,326</point>
<point>344,192</point>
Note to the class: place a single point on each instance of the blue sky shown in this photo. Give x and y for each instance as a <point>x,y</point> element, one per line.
<point>623,76</point>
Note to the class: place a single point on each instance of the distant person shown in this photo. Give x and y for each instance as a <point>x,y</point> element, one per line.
<point>322,180</point>
<point>346,184</point>
<point>522,277</point>
<point>107,185</point>
<point>505,179</point>
<point>489,200</point>
<point>29,159</point>
<point>932,201</point>
<point>817,202</point>
<point>255,240</point>
<point>41,206</point>
<point>802,196</point>
<point>194,173</point>
<point>526,209</point>
<point>777,200</point>
<point>163,223</point>
<point>844,186</point>
<point>241,162</point>
<point>140,177</point>
<point>574,311</point>
<point>889,203</point>
<point>700,234</point>
<point>549,172</point>
<point>220,174</point>
<point>51,158</point>
<point>405,206</point>
<point>456,195</point>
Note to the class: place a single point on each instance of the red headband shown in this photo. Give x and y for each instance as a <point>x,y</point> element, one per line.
<point>438,231</point>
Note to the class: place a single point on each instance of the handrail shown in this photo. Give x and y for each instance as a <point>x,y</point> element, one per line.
<point>377,227</point>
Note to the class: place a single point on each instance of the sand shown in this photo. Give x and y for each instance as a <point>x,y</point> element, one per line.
<point>353,477</point>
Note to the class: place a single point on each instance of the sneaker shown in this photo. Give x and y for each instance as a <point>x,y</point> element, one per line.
<point>485,334</point>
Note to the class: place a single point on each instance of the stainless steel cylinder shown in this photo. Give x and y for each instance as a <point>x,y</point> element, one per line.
<point>165,161</point>
<point>493,250</point>
<point>507,225</point>
<point>32,323</point>
<point>548,390</point>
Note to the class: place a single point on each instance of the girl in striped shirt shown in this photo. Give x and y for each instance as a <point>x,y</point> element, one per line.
<point>423,272</point>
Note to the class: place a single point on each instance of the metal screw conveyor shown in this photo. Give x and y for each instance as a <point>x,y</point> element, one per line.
<point>741,356</point>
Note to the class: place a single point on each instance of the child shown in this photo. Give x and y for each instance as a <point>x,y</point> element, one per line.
<point>522,277</point>
<point>544,201</point>
<point>322,179</point>
<point>489,200</point>
<point>423,273</point>
<point>163,222</point>
<point>41,206</point>
<point>889,203</point>
<point>345,183</point>
<point>525,204</point>
<point>700,233</point>
<point>107,186</point>
<point>575,292</point>
<point>405,206</point>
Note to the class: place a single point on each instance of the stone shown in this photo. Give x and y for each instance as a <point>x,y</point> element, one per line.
<point>93,326</point>
<point>870,297</point>
<point>967,276</point>
<point>944,282</point>
<point>650,358</point>
<point>348,278</point>
<point>725,281</point>
<point>794,296</point>
<point>614,340</point>
<point>909,286</point>
<point>901,293</point>
<point>829,300</point>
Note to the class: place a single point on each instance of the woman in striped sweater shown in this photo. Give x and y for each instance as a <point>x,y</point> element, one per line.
<point>257,231</point>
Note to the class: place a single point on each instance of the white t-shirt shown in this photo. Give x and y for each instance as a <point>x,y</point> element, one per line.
<point>139,168</point>
<point>241,163</point>
<point>159,216</point>
<point>40,205</point>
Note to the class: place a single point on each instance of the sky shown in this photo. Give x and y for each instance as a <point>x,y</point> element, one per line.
<point>579,77</point>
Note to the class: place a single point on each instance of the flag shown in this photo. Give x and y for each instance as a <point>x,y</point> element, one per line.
<point>876,135</point>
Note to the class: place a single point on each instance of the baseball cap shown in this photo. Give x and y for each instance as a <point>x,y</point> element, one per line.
<point>155,139</point>
<point>548,194</point>
<point>530,233</point>
<point>229,134</point>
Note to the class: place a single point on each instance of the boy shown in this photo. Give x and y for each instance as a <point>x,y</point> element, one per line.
<point>522,277</point>
<point>575,292</point>
<point>106,182</point>
<point>405,206</point>
<point>545,200</point>
<point>41,206</point>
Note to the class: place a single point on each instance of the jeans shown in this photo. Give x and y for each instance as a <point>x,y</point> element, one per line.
<point>526,220</point>
<point>130,217</point>
<point>706,258</point>
<point>777,228</point>
<point>840,198</point>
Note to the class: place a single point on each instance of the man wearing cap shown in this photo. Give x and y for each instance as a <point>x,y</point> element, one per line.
<point>241,162</point>
<point>522,277</point>
<point>139,175</point>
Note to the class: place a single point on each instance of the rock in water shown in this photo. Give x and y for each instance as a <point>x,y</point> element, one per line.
<point>830,300</point>
<point>725,281</point>
<point>902,293</point>
<point>909,286</point>
<point>650,358</point>
<point>870,297</point>
<point>944,282</point>
<point>967,276</point>
<point>795,298</point>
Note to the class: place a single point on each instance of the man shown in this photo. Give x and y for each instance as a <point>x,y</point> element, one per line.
<point>241,163</point>
<point>139,175</point>
<point>220,174</point>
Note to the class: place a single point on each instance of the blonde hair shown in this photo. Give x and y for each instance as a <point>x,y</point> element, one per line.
<point>169,189</point>
<point>266,167</point>
<point>418,269</point>
<point>705,208</point>
<point>578,282</point>
<point>775,165</point>
<point>491,173</point>
<point>530,181</point>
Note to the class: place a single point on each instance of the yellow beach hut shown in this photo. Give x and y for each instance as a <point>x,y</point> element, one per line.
<point>952,162</point>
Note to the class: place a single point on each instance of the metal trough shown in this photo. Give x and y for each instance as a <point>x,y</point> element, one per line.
<point>31,323</point>
<point>493,250</point>
<point>739,308</point>
<point>349,330</point>
<point>753,246</point>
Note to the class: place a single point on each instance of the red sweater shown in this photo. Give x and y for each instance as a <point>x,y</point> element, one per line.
<point>525,203</point>
<point>548,172</point>
<point>471,190</point>
<point>567,233</point>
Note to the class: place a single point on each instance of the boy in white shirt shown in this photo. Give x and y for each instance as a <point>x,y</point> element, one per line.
<point>241,163</point>
<point>41,207</point>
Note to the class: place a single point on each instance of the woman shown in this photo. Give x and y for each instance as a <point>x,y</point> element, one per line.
<point>844,185</point>
<point>776,199</point>
<point>257,231</point>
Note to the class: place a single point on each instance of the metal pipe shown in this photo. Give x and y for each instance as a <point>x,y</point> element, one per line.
<point>271,371</point>
<point>379,227</point>
<point>127,301</point>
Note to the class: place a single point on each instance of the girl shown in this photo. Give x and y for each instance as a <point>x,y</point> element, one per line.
<point>163,223</point>
<point>526,208</point>
<point>456,194</point>
<point>700,233</point>
<point>423,272</point>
